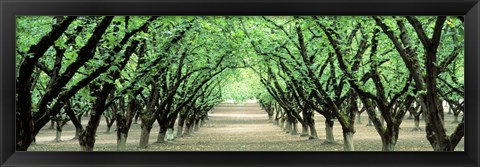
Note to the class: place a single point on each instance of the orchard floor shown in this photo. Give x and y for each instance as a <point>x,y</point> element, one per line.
<point>244,127</point>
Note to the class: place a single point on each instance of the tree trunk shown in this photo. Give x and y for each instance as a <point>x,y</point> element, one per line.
<point>108,129</point>
<point>135,120</point>
<point>186,130</point>
<point>288,126</point>
<point>87,137</point>
<point>76,120</point>
<point>78,131</point>
<point>416,123</point>
<point>110,122</point>
<point>144,135</point>
<point>308,118</point>
<point>121,140</point>
<point>170,135</point>
<point>163,124</point>
<point>189,124</point>
<point>161,134</point>
<point>197,124</point>
<point>276,119</point>
<point>382,120</point>
<point>191,128</point>
<point>304,131</point>
<point>123,119</point>
<point>444,146</point>
<point>123,126</point>
<point>58,136</point>
<point>52,125</point>
<point>359,120</point>
<point>455,118</point>
<point>370,123</point>
<point>388,144</point>
<point>329,131</point>
<point>202,122</point>
<point>179,130</point>
<point>294,130</point>
<point>313,131</point>
<point>348,141</point>
<point>441,112</point>
<point>60,124</point>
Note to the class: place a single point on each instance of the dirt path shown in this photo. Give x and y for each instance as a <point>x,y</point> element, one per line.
<point>238,127</point>
<point>243,127</point>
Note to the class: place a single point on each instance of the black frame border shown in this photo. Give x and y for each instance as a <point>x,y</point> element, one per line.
<point>11,8</point>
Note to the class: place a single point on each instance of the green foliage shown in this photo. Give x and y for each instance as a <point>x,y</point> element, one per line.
<point>209,59</point>
<point>242,85</point>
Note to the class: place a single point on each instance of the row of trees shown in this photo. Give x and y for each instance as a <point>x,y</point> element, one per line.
<point>173,70</point>
<point>341,66</point>
<point>160,68</point>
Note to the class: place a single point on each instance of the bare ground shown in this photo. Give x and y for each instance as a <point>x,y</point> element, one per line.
<point>244,127</point>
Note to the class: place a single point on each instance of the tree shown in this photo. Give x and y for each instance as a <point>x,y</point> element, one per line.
<point>426,77</point>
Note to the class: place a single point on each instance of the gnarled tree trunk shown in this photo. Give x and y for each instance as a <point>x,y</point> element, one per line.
<point>145,133</point>
<point>87,137</point>
<point>329,131</point>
